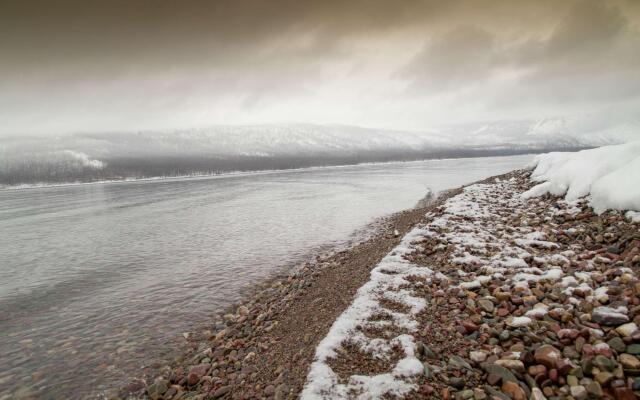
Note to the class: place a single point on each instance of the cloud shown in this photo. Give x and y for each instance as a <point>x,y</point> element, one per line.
<point>590,54</point>
<point>74,65</point>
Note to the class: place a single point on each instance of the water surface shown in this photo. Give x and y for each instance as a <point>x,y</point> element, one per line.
<point>98,280</point>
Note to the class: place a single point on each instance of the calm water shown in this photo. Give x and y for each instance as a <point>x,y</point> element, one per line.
<point>97,280</point>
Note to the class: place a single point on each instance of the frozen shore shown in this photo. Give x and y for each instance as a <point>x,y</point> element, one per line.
<point>487,293</point>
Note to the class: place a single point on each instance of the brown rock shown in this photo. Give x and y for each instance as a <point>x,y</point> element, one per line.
<point>514,390</point>
<point>628,361</point>
<point>623,393</point>
<point>547,355</point>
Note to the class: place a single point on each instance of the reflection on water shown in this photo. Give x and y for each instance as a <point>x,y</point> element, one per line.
<point>97,280</point>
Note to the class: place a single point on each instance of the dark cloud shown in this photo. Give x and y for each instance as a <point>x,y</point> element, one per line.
<point>591,54</point>
<point>458,57</point>
<point>129,64</point>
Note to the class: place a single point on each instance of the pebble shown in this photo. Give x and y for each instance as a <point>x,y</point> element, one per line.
<point>628,361</point>
<point>608,316</point>
<point>547,355</point>
<point>570,335</point>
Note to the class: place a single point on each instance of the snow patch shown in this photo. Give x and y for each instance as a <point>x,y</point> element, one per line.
<point>608,175</point>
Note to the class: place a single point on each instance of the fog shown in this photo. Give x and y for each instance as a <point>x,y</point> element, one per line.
<point>116,155</point>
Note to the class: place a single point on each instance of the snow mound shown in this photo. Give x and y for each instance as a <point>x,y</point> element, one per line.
<point>609,175</point>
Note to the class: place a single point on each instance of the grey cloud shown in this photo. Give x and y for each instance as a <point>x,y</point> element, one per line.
<point>591,54</point>
<point>458,57</point>
<point>121,64</point>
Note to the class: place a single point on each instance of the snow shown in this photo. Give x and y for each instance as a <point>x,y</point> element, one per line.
<point>620,312</point>
<point>385,282</point>
<point>633,216</point>
<point>608,175</point>
<point>475,232</point>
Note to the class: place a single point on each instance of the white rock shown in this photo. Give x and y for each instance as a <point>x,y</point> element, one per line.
<point>536,394</point>
<point>478,356</point>
<point>517,322</point>
<point>627,330</point>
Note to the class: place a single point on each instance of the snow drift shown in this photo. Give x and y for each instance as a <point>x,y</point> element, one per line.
<point>609,176</point>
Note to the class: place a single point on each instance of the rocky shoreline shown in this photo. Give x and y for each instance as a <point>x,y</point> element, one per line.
<point>506,299</point>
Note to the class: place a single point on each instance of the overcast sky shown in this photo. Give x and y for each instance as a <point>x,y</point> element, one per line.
<point>69,66</point>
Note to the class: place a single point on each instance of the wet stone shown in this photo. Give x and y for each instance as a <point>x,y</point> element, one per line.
<point>617,344</point>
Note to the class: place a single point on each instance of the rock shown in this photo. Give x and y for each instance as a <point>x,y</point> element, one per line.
<point>495,393</point>
<point>547,355</point>
<point>478,356</point>
<point>627,330</point>
<point>518,322</point>
<point>579,392</point>
<point>503,373</point>
<point>428,353</point>
<point>486,305</point>
<point>221,391</point>
<point>270,390</point>
<point>514,365</point>
<point>535,370</point>
<point>281,392</point>
<point>608,316</point>
<point>564,366</point>
<point>628,361</point>
<point>633,349</point>
<point>479,394</point>
<point>427,389</point>
<point>464,395</point>
<point>468,326</point>
<point>604,378</point>
<point>536,394</point>
<point>594,389</point>
<point>157,389</point>
<point>603,363</point>
<point>570,352</point>
<point>513,390</point>
<point>458,383</point>
<point>623,393</point>
<point>427,370</point>
<point>197,372</point>
<point>242,310</point>
<point>458,362</point>
<point>617,344</point>
<point>567,334</point>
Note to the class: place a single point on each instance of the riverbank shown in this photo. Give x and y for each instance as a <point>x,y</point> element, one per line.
<point>272,335</point>
<point>491,296</point>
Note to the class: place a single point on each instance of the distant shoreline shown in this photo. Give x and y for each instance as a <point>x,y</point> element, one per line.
<point>240,173</point>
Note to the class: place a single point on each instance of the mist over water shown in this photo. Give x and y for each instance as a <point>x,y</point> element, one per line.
<point>98,281</point>
<point>120,156</point>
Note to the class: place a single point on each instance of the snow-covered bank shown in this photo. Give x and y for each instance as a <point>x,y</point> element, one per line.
<point>609,176</point>
<point>490,296</point>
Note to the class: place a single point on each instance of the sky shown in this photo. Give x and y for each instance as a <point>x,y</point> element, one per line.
<point>123,65</point>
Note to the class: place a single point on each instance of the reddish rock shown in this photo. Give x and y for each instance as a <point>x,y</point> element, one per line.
<point>564,366</point>
<point>623,393</point>
<point>427,389</point>
<point>493,379</point>
<point>547,355</point>
<point>197,372</point>
<point>514,390</point>
<point>568,334</point>
<point>469,326</point>
<point>535,370</point>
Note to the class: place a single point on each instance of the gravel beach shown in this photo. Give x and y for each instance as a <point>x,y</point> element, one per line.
<point>478,295</point>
